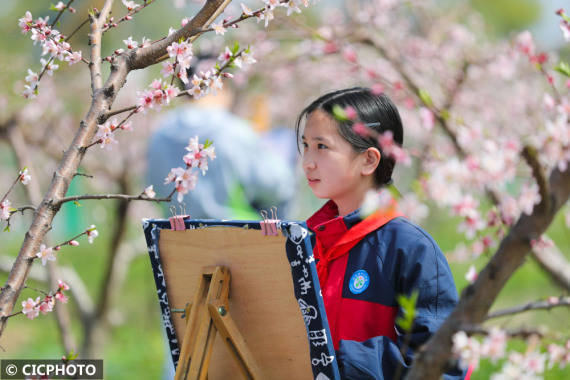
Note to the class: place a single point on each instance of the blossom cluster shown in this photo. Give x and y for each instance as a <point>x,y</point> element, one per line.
<point>31,308</point>
<point>130,44</point>
<point>200,84</point>
<point>52,42</point>
<point>106,132</point>
<point>5,209</point>
<point>25,177</point>
<point>469,351</point>
<point>5,205</point>
<point>60,6</point>
<point>47,253</point>
<point>267,14</point>
<point>159,94</point>
<point>453,182</point>
<point>182,54</point>
<point>130,4</point>
<point>564,24</point>
<point>185,179</point>
<point>530,364</point>
<point>553,142</point>
<point>236,58</point>
<point>526,45</point>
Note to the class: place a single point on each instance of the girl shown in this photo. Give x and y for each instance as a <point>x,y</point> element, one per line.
<point>364,263</point>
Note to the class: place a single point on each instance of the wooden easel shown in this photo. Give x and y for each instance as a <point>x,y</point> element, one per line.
<point>208,314</point>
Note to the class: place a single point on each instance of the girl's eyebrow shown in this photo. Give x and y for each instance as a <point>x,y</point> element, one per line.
<point>318,138</point>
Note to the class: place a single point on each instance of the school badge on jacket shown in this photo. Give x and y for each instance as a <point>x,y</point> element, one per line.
<point>359,282</point>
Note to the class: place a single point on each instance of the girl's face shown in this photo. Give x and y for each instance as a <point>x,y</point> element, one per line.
<point>332,167</point>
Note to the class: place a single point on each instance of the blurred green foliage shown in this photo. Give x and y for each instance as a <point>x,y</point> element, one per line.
<point>506,16</point>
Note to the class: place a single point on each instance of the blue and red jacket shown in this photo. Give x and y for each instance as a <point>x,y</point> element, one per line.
<point>360,289</point>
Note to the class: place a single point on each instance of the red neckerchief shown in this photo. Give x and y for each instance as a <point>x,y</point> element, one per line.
<point>350,238</point>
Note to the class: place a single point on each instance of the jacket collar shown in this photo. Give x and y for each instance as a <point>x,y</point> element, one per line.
<point>328,226</point>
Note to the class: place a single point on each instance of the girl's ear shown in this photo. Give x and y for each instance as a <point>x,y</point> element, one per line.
<point>371,160</point>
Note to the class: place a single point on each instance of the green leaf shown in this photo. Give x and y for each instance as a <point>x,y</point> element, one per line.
<point>425,97</point>
<point>71,355</point>
<point>445,115</point>
<point>217,66</point>
<point>408,307</point>
<point>208,143</point>
<point>77,204</point>
<point>7,228</point>
<point>52,7</point>
<point>563,68</point>
<point>339,113</point>
<point>235,49</point>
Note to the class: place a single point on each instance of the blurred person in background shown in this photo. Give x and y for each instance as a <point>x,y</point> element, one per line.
<point>248,175</point>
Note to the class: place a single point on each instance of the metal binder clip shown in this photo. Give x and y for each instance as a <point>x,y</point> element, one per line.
<point>177,221</point>
<point>269,226</point>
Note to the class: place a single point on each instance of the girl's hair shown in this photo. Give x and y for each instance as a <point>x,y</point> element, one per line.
<point>376,111</point>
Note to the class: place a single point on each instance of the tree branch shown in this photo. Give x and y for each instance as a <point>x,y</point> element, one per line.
<point>61,12</point>
<point>124,197</point>
<point>149,55</point>
<point>95,43</point>
<point>129,15</point>
<point>76,286</point>
<point>523,333</point>
<point>531,157</point>
<point>555,264</point>
<point>476,299</point>
<point>535,305</point>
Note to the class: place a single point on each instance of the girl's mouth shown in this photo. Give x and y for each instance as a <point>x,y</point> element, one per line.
<point>313,181</point>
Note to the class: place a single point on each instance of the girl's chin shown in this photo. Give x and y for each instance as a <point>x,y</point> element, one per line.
<point>320,195</point>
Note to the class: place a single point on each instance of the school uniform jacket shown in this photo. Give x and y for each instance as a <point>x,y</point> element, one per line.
<point>361,289</point>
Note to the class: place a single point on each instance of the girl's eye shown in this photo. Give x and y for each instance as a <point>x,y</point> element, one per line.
<point>321,146</point>
<point>305,145</point>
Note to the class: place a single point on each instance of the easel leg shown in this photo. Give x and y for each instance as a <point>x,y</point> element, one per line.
<point>236,344</point>
<point>200,331</point>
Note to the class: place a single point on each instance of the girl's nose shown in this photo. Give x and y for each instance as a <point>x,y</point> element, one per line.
<point>308,163</point>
